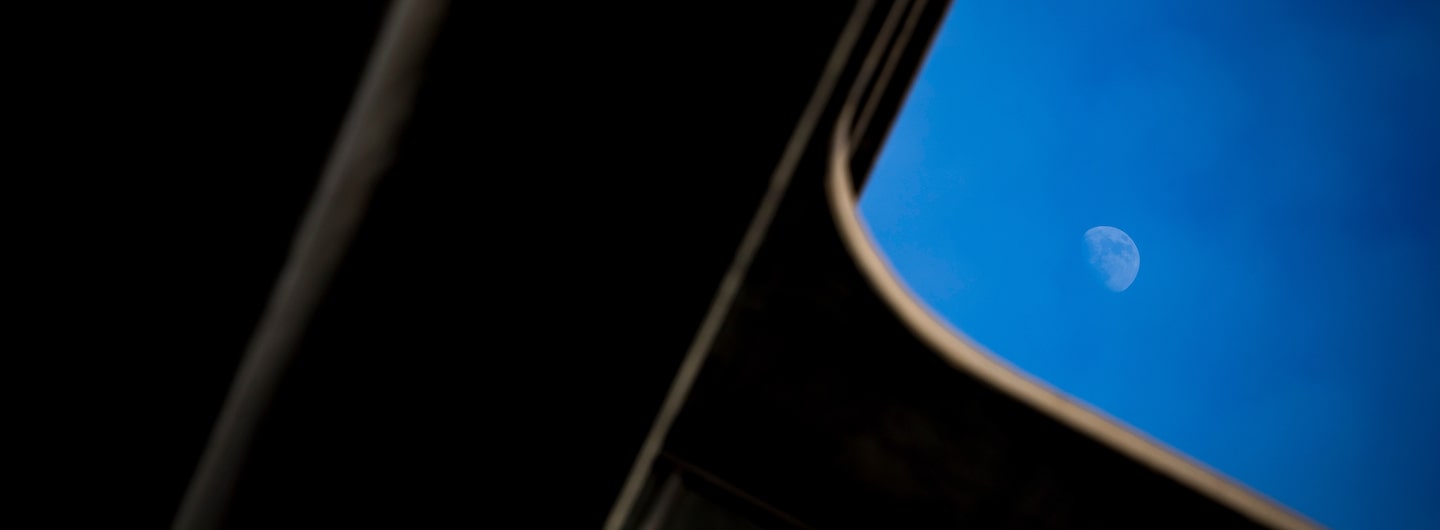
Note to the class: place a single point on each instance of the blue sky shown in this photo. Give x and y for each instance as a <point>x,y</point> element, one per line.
<point>1277,164</point>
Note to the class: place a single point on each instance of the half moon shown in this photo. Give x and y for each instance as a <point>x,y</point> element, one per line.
<point>1114,256</point>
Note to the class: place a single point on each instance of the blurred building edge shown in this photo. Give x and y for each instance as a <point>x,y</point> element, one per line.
<point>816,407</point>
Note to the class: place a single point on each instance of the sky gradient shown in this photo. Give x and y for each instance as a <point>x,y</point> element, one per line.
<point>1277,164</point>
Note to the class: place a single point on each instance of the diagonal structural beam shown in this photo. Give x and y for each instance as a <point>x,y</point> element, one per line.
<point>362,152</point>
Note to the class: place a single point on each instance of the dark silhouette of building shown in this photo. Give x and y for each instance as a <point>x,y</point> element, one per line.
<point>606,231</point>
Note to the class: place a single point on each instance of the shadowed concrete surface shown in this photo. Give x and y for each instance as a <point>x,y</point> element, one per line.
<point>569,189</point>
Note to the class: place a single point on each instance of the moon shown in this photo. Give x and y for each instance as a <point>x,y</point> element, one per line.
<point>1114,256</point>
